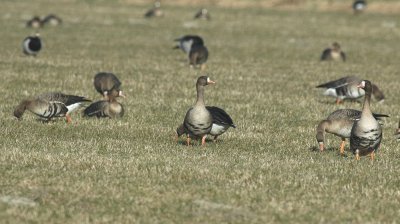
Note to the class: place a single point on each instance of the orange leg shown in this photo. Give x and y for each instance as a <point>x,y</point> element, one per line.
<point>357,154</point>
<point>69,120</point>
<point>338,101</point>
<point>372,155</point>
<point>321,147</point>
<point>188,140</point>
<point>203,140</point>
<point>342,147</point>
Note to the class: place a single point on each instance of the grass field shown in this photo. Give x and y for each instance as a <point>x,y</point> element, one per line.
<point>266,65</point>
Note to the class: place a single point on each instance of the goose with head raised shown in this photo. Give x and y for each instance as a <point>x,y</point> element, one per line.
<point>198,120</point>
<point>366,133</point>
<point>339,123</point>
<point>334,53</point>
<point>346,88</point>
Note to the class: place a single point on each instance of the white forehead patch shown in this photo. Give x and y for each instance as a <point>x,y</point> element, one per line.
<point>208,79</point>
<point>363,83</point>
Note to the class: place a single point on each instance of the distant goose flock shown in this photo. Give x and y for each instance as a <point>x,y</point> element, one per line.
<point>360,127</point>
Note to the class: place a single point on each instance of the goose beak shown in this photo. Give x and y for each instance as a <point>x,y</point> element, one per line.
<point>321,146</point>
<point>121,94</point>
<point>210,81</point>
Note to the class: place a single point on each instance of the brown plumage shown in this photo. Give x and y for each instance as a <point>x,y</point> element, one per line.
<point>103,108</point>
<point>107,84</point>
<point>198,55</point>
<point>334,53</point>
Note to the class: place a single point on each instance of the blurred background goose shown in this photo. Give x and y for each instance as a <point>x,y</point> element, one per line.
<point>366,133</point>
<point>49,105</point>
<point>333,53</point>
<point>32,45</point>
<point>35,22</point>
<point>107,84</point>
<point>52,20</point>
<point>202,14</point>
<point>198,120</point>
<point>155,11</point>
<point>346,88</point>
<point>359,6</point>
<point>221,122</point>
<point>198,55</point>
<point>105,108</point>
<point>339,123</point>
<point>186,42</point>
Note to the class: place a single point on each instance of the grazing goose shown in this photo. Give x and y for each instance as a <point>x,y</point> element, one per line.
<point>221,122</point>
<point>52,20</point>
<point>202,14</point>
<point>366,133</point>
<point>346,88</point>
<point>198,55</point>
<point>103,108</point>
<point>359,6</point>
<point>198,120</point>
<point>339,123</point>
<point>186,42</point>
<point>155,11</point>
<point>107,84</point>
<point>49,105</point>
<point>35,22</point>
<point>333,53</point>
<point>32,45</point>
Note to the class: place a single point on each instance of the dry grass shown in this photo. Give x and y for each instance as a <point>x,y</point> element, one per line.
<point>266,65</point>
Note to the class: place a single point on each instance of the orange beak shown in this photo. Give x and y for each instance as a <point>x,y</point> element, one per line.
<point>121,94</point>
<point>321,147</point>
<point>210,82</point>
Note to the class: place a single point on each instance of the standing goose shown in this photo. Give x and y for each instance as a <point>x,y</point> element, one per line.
<point>49,105</point>
<point>107,84</point>
<point>103,108</point>
<point>334,53</point>
<point>346,88</point>
<point>32,45</point>
<point>202,14</point>
<point>366,134</point>
<point>339,123</point>
<point>359,6</point>
<point>198,120</point>
<point>198,55</point>
<point>221,122</point>
<point>155,11</point>
<point>186,42</point>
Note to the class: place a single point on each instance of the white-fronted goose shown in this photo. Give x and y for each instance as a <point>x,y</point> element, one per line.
<point>32,45</point>
<point>202,14</point>
<point>359,6</point>
<point>35,22</point>
<point>334,53</point>
<point>52,20</point>
<point>366,134</point>
<point>221,122</point>
<point>346,88</point>
<point>107,84</point>
<point>49,105</point>
<point>340,123</point>
<point>198,55</point>
<point>103,108</point>
<point>155,11</point>
<point>186,42</point>
<point>198,120</point>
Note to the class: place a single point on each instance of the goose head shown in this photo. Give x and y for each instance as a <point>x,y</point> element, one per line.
<point>204,80</point>
<point>336,46</point>
<point>366,85</point>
